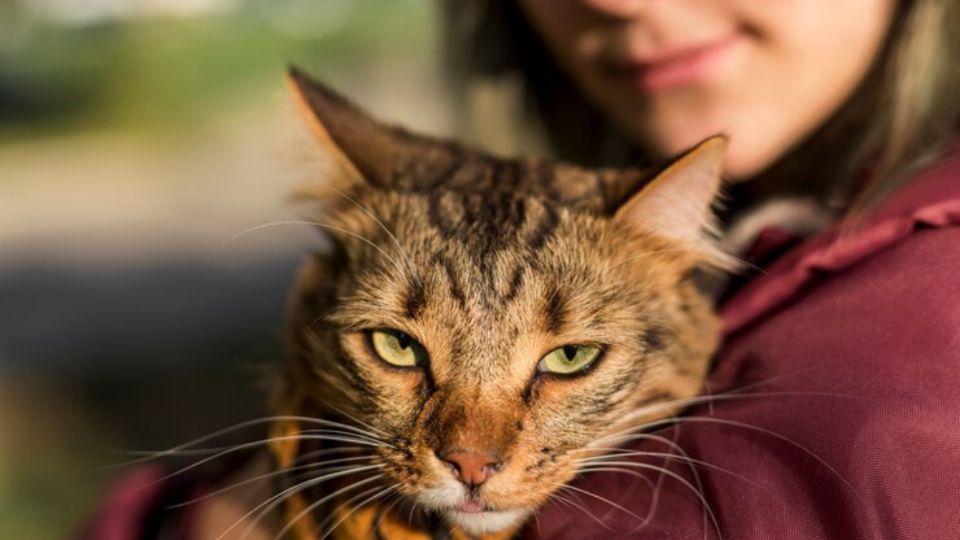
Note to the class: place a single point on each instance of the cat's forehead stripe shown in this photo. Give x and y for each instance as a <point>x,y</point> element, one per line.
<point>415,298</point>
<point>555,311</point>
<point>453,281</point>
<point>516,282</point>
<point>490,220</point>
<point>545,227</point>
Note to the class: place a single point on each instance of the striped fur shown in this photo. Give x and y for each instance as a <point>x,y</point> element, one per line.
<point>489,263</point>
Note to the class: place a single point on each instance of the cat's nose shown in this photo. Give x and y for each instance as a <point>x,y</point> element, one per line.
<point>473,468</point>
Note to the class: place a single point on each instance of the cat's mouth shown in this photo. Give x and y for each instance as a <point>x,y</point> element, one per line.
<point>476,517</point>
<point>471,505</point>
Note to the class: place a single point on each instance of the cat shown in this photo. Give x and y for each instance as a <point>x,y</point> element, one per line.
<point>480,326</point>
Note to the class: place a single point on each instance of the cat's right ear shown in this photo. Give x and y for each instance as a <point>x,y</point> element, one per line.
<point>345,132</point>
<point>364,147</point>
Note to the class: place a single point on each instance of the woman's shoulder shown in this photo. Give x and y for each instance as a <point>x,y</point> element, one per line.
<point>901,249</point>
<point>873,312</point>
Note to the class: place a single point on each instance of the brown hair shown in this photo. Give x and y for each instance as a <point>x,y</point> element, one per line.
<point>900,117</point>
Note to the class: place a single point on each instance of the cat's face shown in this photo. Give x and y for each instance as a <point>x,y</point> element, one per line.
<point>492,337</point>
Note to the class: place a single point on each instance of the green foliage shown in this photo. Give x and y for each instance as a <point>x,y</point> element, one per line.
<point>171,73</point>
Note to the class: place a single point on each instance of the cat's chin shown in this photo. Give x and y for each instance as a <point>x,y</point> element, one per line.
<point>491,521</point>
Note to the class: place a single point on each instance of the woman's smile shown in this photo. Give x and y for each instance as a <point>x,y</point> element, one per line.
<point>676,66</point>
<point>669,74</point>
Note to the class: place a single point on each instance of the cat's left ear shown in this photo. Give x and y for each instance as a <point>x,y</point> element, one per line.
<point>678,203</point>
<point>366,148</point>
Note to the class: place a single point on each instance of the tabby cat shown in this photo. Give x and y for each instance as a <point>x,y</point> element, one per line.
<point>480,326</point>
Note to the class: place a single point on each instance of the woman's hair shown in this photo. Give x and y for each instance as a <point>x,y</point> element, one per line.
<point>902,115</point>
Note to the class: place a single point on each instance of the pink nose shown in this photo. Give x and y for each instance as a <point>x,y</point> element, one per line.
<point>473,468</point>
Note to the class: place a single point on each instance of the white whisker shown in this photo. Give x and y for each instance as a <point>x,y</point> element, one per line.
<point>820,460</point>
<point>321,466</point>
<point>604,499</point>
<point>314,505</point>
<point>271,503</point>
<point>376,220</point>
<point>360,505</point>
<point>249,230</point>
<point>668,457</point>
<point>253,445</point>
<point>664,406</point>
<point>577,506</point>
<point>187,446</point>
<point>700,496</point>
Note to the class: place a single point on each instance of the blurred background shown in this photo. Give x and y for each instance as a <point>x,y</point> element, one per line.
<point>143,143</point>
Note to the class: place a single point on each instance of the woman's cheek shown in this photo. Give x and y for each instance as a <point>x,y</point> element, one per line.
<point>798,62</point>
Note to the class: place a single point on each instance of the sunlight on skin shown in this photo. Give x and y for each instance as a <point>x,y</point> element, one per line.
<point>671,73</point>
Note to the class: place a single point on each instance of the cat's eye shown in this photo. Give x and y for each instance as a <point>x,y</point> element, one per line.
<point>569,359</point>
<point>397,348</point>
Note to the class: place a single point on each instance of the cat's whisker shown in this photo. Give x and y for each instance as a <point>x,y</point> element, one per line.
<point>719,421</point>
<point>397,498</point>
<point>376,220</point>
<point>187,446</point>
<point>324,451</point>
<point>255,444</point>
<point>334,228</point>
<point>367,241</point>
<point>536,519</point>
<point>700,496</point>
<point>370,431</point>
<point>609,502</point>
<point>148,455</point>
<point>732,423</point>
<point>339,505</point>
<point>655,498</point>
<point>343,433</point>
<point>223,245</point>
<point>357,420</point>
<point>313,506</point>
<point>413,507</point>
<point>577,506</point>
<point>791,373</point>
<point>626,435</point>
<point>675,446</point>
<point>603,499</point>
<point>321,466</point>
<point>653,490</point>
<point>374,497</point>
<point>686,402</point>
<point>607,459</point>
<point>615,465</point>
<point>263,509</point>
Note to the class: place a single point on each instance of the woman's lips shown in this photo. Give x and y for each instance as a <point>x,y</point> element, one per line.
<point>678,67</point>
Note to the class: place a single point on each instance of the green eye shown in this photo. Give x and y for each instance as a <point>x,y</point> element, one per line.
<point>398,349</point>
<point>569,359</point>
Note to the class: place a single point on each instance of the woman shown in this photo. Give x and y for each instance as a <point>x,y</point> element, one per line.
<point>837,393</point>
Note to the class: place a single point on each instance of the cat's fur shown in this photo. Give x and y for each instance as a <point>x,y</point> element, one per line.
<point>489,263</point>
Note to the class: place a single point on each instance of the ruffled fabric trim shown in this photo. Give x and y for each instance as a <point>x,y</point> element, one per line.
<point>931,200</point>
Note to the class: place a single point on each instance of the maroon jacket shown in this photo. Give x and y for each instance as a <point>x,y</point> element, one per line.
<point>843,358</point>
